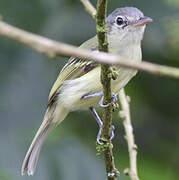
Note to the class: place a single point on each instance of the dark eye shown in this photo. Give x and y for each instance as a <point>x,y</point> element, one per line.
<point>119,21</point>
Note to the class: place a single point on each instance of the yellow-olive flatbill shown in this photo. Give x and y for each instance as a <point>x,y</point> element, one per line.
<point>78,85</point>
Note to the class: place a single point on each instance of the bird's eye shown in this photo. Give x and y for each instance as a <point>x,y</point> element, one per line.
<point>119,21</point>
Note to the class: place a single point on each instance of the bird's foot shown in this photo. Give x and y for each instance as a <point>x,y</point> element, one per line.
<point>98,94</point>
<point>100,123</point>
<point>100,140</point>
<point>114,102</point>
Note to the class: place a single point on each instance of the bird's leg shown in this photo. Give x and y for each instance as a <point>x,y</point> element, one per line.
<point>114,99</point>
<point>92,95</point>
<point>100,123</point>
<point>98,119</point>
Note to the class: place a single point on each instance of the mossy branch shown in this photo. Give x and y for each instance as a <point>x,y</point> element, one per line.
<point>111,171</point>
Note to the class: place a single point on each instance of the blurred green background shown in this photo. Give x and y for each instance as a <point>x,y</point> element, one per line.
<point>69,152</point>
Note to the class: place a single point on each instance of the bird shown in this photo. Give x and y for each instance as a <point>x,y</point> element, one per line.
<point>78,85</point>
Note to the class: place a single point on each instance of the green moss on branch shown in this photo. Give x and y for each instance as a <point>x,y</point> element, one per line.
<point>111,171</point>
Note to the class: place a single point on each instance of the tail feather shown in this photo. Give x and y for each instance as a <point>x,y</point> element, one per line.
<point>53,116</point>
<point>32,155</point>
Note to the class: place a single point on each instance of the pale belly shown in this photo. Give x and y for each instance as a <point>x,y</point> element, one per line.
<point>73,90</point>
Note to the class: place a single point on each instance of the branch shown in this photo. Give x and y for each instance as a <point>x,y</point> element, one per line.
<point>53,48</point>
<point>129,136</point>
<point>89,8</point>
<point>111,170</point>
<point>125,115</point>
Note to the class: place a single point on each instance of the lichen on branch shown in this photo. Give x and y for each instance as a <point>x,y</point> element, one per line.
<point>111,171</point>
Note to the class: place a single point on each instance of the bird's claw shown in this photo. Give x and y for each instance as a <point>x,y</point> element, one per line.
<point>114,101</point>
<point>99,139</point>
<point>112,132</point>
<point>101,103</point>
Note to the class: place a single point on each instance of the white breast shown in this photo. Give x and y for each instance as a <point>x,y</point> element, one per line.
<point>133,54</point>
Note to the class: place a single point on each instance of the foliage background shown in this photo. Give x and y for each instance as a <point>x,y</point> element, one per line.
<point>69,153</point>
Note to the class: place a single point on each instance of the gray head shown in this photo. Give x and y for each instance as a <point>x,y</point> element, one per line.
<point>126,25</point>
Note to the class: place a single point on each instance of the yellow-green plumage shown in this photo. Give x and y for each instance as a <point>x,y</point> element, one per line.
<point>74,69</point>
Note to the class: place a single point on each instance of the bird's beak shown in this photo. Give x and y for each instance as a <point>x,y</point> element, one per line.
<point>142,21</point>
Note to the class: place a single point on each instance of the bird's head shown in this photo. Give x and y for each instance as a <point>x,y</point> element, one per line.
<point>126,25</point>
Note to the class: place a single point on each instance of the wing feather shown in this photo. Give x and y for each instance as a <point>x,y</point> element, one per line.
<point>74,68</point>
